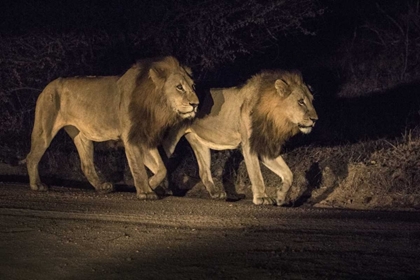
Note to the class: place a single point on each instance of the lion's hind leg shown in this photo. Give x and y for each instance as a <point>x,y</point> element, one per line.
<point>38,147</point>
<point>203,156</point>
<point>85,149</point>
<point>45,128</point>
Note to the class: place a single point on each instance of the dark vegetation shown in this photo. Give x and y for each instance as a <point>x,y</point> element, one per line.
<point>361,58</point>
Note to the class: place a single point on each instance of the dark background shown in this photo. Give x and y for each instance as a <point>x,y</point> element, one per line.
<point>361,57</point>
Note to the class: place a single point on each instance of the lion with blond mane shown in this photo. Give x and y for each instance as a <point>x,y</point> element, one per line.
<point>136,109</point>
<point>258,117</point>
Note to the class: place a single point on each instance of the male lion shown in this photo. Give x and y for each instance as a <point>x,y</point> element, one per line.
<point>135,109</point>
<point>258,116</point>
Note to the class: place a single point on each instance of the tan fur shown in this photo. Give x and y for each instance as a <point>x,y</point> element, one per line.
<point>135,109</point>
<point>258,117</point>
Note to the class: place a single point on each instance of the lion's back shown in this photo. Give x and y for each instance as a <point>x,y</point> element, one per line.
<point>89,103</point>
<point>219,119</point>
<point>86,90</point>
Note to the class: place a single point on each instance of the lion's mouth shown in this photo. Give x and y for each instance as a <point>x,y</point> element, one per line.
<point>189,114</point>
<point>305,128</point>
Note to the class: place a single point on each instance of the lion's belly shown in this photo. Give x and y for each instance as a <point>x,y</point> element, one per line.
<point>101,134</point>
<point>95,127</point>
<point>215,135</point>
<point>217,146</point>
<point>97,133</point>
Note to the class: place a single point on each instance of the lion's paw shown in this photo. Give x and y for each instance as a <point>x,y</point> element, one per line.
<point>168,192</point>
<point>280,202</point>
<point>147,196</point>
<point>163,191</point>
<point>231,197</point>
<point>105,188</point>
<point>264,201</point>
<point>219,195</point>
<point>39,187</point>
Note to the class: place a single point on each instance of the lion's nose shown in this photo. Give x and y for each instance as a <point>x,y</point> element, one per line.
<point>314,119</point>
<point>194,105</point>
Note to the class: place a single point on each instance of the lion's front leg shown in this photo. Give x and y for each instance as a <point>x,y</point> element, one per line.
<point>252,163</point>
<point>154,162</point>
<point>280,168</point>
<point>135,160</point>
<point>203,156</point>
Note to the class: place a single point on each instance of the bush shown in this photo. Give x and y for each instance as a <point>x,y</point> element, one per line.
<point>383,50</point>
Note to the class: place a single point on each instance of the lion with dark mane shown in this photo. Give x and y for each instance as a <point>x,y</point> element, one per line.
<point>136,109</point>
<point>258,117</point>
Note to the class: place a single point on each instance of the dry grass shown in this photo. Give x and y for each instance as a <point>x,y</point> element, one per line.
<point>369,174</point>
<point>356,175</point>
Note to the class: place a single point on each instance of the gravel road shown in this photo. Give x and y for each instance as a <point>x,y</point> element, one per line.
<point>73,233</point>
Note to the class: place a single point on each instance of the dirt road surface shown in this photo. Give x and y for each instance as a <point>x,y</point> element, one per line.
<point>71,233</point>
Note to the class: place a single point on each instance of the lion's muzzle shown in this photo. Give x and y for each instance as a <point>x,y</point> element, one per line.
<point>306,129</point>
<point>189,112</point>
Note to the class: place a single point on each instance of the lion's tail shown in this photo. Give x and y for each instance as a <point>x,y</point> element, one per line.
<point>46,113</point>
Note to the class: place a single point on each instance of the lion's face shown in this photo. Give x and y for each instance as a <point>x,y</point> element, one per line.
<point>298,103</point>
<point>179,89</point>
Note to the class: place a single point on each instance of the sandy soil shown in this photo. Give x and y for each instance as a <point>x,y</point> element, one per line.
<point>74,233</point>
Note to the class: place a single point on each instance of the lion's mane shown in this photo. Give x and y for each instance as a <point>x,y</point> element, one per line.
<point>270,127</point>
<point>149,111</point>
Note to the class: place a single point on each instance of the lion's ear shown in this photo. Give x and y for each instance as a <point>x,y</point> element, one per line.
<point>157,75</point>
<point>282,87</point>
<point>188,70</point>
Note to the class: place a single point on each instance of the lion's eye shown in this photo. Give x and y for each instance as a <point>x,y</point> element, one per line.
<point>179,87</point>
<point>301,102</point>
